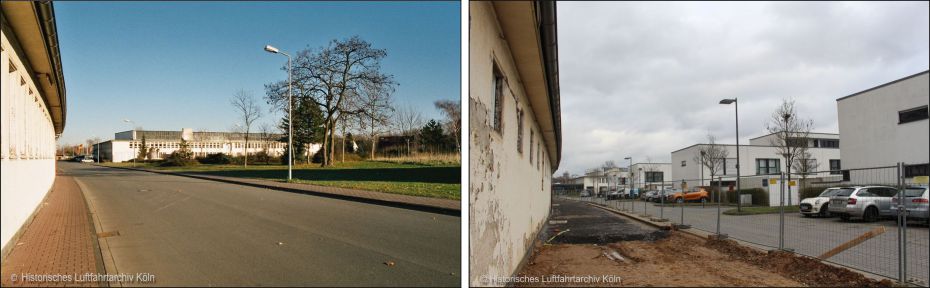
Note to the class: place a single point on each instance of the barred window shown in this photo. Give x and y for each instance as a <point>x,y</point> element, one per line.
<point>520,131</point>
<point>498,99</point>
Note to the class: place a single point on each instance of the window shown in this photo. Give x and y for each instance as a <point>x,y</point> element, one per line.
<point>622,180</point>
<point>913,114</point>
<point>654,176</point>
<point>916,170</point>
<point>826,143</point>
<point>520,131</point>
<point>846,176</point>
<point>767,166</point>
<point>835,166</point>
<point>684,163</point>
<point>531,146</point>
<point>498,98</point>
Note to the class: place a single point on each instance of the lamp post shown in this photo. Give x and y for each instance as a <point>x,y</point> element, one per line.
<point>739,204</point>
<point>290,108</point>
<point>134,154</point>
<point>629,169</point>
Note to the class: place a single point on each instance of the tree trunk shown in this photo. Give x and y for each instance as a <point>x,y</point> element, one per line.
<point>324,149</point>
<point>374,143</point>
<point>343,142</point>
<point>245,163</point>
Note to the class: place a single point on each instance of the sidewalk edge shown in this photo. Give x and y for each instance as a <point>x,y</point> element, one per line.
<point>405,205</point>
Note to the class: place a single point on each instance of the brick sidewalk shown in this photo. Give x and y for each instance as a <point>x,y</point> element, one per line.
<point>445,206</point>
<point>59,241</point>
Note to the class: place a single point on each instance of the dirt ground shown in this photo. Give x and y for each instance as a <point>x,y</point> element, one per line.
<point>679,260</point>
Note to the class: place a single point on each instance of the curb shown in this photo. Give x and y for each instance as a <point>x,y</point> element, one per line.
<point>399,204</point>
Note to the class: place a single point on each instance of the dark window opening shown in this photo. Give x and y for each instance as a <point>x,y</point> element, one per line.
<point>911,115</point>
<point>911,171</point>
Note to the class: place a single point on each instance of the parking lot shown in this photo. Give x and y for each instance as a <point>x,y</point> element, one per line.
<point>808,236</point>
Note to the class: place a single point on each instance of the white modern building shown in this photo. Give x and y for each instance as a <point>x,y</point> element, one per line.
<point>159,144</point>
<point>758,158</point>
<point>32,111</point>
<point>515,135</point>
<point>887,124</point>
<point>599,181</point>
<point>651,176</point>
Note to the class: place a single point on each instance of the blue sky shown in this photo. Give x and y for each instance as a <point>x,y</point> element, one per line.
<point>173,65</point>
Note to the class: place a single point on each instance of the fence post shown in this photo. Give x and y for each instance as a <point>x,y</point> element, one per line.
<point>781,213</point>
<point>720,183</point>
<point>902,227</point>
<point>682,207</point>
<point>662,202</point>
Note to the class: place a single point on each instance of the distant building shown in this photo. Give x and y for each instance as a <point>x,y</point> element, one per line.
<point>127,144</point>
<point>887,124</point>
<point>32,110</point>
<point>651,176</point>
<point>758,158</point>
<point>515,137</point>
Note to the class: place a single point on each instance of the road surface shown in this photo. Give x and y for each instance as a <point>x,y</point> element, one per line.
<point>190,232</point>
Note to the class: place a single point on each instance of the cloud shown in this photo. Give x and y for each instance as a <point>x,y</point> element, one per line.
<point>645,79</point>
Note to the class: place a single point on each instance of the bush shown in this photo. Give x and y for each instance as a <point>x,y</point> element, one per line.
<point>215,158</point>
<point>179,158</point>
<point>809,192</point>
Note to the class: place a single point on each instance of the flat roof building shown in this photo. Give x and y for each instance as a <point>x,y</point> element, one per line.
<point>887,124</point>
<point>126,145</point>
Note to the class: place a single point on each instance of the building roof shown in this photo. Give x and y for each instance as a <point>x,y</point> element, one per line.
<point>31,28</point>
<point>530,29</point>
<point>154,135</point>
<point>809,133</point>
<point>883,85</point>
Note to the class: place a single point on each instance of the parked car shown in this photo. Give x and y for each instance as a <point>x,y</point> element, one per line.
<point>585,193</point>
<point>819,205</point>
<point>698,194</point>
<point>614,194</point>
<point>648,195</point>
<point>867,202</point>
<point>916,202</point>
<point>88,160</point>
<point>660,196</point>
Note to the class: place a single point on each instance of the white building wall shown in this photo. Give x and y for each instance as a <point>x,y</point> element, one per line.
<point>27,149</point>
<point>869,129</point>
<point>691,172</point>
<point>510,192</point>
<point>639,174</point>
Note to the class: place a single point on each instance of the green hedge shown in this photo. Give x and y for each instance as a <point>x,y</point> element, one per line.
<point>809,192</point>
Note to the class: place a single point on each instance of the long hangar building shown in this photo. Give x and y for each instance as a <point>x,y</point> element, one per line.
<point>32,110</point>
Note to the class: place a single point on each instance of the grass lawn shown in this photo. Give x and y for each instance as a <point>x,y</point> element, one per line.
<point>761,210</point>
<point>429,180</point>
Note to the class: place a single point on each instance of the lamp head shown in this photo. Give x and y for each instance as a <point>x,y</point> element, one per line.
<point>727,101</point>
<point>271,49</point>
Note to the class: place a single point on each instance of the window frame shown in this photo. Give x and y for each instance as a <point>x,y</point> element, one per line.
<point>497,84</point>
<point>909,115</point>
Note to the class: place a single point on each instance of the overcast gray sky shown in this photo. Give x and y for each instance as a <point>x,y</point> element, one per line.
<point>645,79</point>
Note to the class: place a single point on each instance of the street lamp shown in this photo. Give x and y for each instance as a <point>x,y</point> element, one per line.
<point>290,123</point>
<point>134,153</point>
<point>629,170</point>
<point>739,204</point>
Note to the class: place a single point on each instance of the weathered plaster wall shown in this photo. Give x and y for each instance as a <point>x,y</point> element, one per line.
<point>509,193</point>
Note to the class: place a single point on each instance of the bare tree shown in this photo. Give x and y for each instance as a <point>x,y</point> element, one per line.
<point>712,156</point>
<point>406,121</point>
<point>377,109</point>
<point>805,166</point>
<point>649,167</point>
<point>452,110</point>
<point>792,135</point>
<point>248,109</point>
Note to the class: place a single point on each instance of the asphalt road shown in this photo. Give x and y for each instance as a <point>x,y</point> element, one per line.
<point>581,223</point>
<point>190,232</point>
<point>810,236</point>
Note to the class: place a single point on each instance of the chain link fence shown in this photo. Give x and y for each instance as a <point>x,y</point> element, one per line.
<point>852,218</point>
